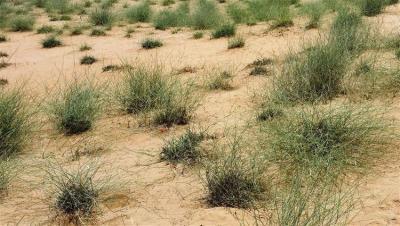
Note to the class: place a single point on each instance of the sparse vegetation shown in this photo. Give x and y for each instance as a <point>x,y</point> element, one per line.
<point>15,122</point>
<point>22,23</point>
<point>139,13</point>
<point>51,42</point>
<point>233,180</point>
<point>75,109</point>
<point>88,60</point>
<point>198,35</point>
<point>150,43</point>
<point>330,139</point>
<point>219,80</point>
<point>225,30</point>
<point>236,42</point>
<point>84,47</point>
<point>148,91</point>
<point>76,192</point>
<point>184,149</point>
<point>102,17</point>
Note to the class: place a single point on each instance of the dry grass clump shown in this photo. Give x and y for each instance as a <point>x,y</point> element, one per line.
<point>15,122</point>
<point>148,90</point>
<point>75,107</point>
<point>219,80</point>
<point>8,171</point>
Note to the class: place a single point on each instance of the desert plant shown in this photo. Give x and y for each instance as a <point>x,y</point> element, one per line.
<point>145,90</point>
<point>236,42</point>
<point>198,35</point>
<point>311,76</point>
<point>371,7</point>
<point>234,180</point>
<point>205,15</point>
<point>314,10</point>
<point>76,192</point>
<point>225,30</point>
<point>150,43</point>
<point>88,60</point>
<point>183,149</point>
<point>219,80</point>
<point>328,140</point>
<point>76,107</point>
<point>51,42</point>
<point>139,13</point>
<point>238,12</point>
<point>7,173</point>
<point>97,32</point>
<point>3,38</point>
<point>172,18</point>
<point>101,17</point>
<point>22,23</point>
<point>84,47</point>
<point>45,29</point>
<point>270,112</point>
<point>58,6</point>
<point>259,70</point>
<point>15,122</point>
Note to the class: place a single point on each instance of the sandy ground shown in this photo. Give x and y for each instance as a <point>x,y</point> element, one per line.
<point>154,193</point>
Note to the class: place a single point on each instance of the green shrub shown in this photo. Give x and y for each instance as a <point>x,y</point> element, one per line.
<point>205,15</point>
<point>22,23</point>
<point>270,112</point>
<point>328,139</point>
<point>45,29</point>
<point>259,70</point>
<point>225,30</point>
<point>315,75</point>
<point>78,191</point>
<point>219,80</point>
<point>3,38</point>
<point>172,18</point>
<point>88,60</point>
<point>236,42</point>
<point>198,35</point>
<point>183,149</point>
<point>168,2</point>
<point>84,47</point>
<point>51,42</point>
<point>58,6</point>
<point>371,7</point>
<point>314,11</point>
<point>234,180</point>
<point>139,13</point>
<point>97,32</point>
<point>15,123</point>
<point>150,43</point>
<point>349,34</point>
<point>76,108</point>
<point>238,12</point>
<point>101,17</point>
<point>149,91</point>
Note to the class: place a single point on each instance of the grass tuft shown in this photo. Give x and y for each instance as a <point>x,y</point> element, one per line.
<point>15,123</point>
<point>150,43</point>
<point>88,60</point>
<point>76,108</point>
<point>184,149</point>
<point>51,42</point>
